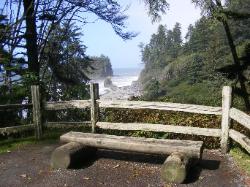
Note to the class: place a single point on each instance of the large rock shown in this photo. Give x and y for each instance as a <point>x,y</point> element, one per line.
<point>109,84</point>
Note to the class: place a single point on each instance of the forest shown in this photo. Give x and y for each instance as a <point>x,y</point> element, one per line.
<point>40,44</point>
<point>214,52</point>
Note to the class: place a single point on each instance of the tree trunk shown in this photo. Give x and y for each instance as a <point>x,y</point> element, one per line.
<point>237,62</point>
<point>31,39</point>
<point>235,57</point>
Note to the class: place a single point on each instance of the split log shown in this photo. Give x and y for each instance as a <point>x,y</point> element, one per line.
<point>175,168</point>
<point>135,144</point>
<point>70,155</point>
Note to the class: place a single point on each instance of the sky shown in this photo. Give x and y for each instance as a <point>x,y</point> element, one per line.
<point>100,38</point>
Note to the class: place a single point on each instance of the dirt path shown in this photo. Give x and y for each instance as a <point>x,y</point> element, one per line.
<point>30,166</point>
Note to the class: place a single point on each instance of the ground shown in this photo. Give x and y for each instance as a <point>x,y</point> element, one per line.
<point>30,166</point>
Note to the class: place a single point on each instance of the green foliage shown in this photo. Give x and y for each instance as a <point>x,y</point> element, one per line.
<point>153,90</point>
<point>194,72</point>
<point>242,158</point>
<point>199,93</point>
<point>156,7</point>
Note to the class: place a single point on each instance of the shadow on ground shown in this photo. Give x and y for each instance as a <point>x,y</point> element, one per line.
<point>193,174</point>
<point>30,166</point>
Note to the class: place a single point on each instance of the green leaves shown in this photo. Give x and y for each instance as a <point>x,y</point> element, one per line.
<point>156,7</point>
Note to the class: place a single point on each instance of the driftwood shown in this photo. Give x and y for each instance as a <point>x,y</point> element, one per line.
<point>71,154</point>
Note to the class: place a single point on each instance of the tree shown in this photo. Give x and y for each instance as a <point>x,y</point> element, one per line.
<point>215,9</point>
<point>64,61</point>
<point>101,67</point>
<point>176,40</point>
<point>41,17</point>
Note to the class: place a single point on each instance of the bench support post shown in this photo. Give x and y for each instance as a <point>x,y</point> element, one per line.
<point>71,155</point>
<point>175,168</point>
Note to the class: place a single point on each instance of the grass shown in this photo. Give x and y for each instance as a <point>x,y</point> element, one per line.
<point>49,137</point>
<point>12,144</point>
<point>241,158</point>
<point>17,143</point>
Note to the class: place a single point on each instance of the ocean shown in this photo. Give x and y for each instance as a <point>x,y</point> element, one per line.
<point>122,77</point>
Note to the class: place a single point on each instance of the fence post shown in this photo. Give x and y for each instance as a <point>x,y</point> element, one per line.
<point>225,120</point>
<point>36,110</point>
<point>94,95</point>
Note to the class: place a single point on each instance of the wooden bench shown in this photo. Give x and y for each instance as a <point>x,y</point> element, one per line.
<point>135,144</point>
<point>80,144</point>
<point>174,168</point>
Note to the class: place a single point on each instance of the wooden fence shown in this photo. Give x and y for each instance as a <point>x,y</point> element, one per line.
<point>36,110</point>
<point>224,133</point>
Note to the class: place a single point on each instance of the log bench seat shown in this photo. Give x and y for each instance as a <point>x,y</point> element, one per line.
<point>173,170</point>
<point>135,144</point>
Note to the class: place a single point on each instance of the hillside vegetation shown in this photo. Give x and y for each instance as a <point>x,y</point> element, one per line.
<point>194,70</point>
<point>100,67</point>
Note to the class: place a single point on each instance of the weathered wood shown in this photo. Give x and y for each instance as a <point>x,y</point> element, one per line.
<point>61,105</point>
<point>135,144</point>
<point>36,110</point>
<point>15,106</point>
<point>70,155</point>
<point>175,168</point>
<point>16,129</point>
<point>160,128</point>
<point>240,117</point>
<point>225,121</point>
<point>243,140</point>
<point>94,105</point>
<point>200,109</point>
<point>63,125</point>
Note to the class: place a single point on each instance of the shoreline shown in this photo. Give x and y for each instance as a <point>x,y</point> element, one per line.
<point>122,93</point>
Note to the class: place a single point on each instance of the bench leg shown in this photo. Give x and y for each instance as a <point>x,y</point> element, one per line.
<point>175,168</point>
<point>71,154</point>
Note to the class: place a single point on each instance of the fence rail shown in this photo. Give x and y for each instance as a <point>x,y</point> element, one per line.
<point>81,104</point>
<point>61,105</point>
<point>15,106</point>
<point>242,139</point>
<point>240,117</point>
<point>200,109</point>
<point>160,128</point>
<point>15,129</point>
<point>67,124</point>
